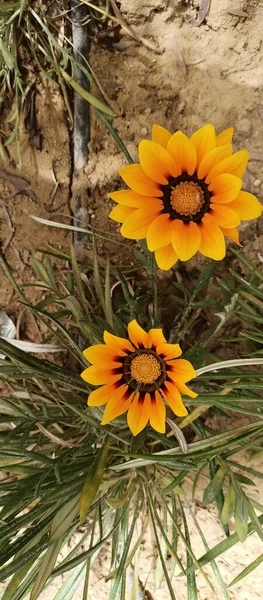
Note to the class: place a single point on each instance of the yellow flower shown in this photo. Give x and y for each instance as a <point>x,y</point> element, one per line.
<point>185,195</point>
<point>137,376</point>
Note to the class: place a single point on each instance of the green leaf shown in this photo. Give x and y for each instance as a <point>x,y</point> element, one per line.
<point>241,528</point>
<point>214,487</point>
<point>86,95</point>
<point>71,585</point>
<point>115,136</point>
<point>93,480</point>
<point>253,565</point>
<point>46,566</point>
<point>229,505</point>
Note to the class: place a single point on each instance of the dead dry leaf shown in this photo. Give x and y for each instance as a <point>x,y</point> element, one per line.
<point>175,47</point>
<point>203,10</point>
<point>20,183</point>
<point>236,12</point>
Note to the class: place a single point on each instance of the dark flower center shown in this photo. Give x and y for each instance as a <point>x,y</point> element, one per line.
<point>144,371</point>
<point>186,198</point>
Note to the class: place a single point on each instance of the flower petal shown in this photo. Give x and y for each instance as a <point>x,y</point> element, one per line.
<point>130,198</point>
<point>183,152</point>
<point>102,394</point>
<point>160,135</point>
<point>224,216</point>
<point>169,351</point>
<point>225,137</point>
<point>119,345</point>
<point>102,356</point>
<point>186,239</point>
<point>212,158</point>
<point>120,213</point>
<point>135,178</point>
<point>232,234</point>
<point>182,370</point>
<point>204,140</point>
<point>225,188</point>
<point>136,225</point>
<point>137,335</point>
<point>139,413</point>
<point>247,206</point>
<point>174,399</point>
<point>160,232</point>
<point>166,257</point>
<point>235,165</point>
<point>156,162</point>
<point>184,389</point>
<point>117,405</point>
<point>155,338</point>
<point>212,241</point>
<point>158,413</point>
<point>97,376</point>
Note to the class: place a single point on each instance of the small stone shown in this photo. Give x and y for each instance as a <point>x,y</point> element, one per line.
<point>144,131</point>
<point>257,182</point>
<point>181,107</point>
<point>92,216</point>
<point>90,211</point>
<point>244,127</point>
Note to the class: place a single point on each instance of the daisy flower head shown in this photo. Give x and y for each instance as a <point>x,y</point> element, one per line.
<point>138,376</point>
<point>185,195</point>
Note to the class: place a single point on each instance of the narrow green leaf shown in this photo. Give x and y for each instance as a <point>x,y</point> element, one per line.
<point>46,566</point>
<point>191,582</point>
<point>64,518</point>
<point>222,546</point>
<point>71,585</point>
<point>254,519</point>
<point>115,136</point>
<point>214,487</point>
<point>253,565</point>
<point>93,480</point>
<point>241,528</point>
<point>86,95</point>
<point>229,505</point>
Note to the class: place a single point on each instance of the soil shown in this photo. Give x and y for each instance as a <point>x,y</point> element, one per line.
<point>194,75</point>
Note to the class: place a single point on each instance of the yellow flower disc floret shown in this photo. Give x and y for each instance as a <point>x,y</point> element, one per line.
<point>145,368</point>
<point>187,198</point>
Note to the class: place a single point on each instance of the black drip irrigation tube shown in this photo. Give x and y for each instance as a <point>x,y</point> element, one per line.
<point>81,127</point>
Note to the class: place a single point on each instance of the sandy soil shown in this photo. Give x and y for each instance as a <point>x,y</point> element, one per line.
<point>212,73</point>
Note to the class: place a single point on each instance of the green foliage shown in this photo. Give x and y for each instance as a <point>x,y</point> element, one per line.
<point>69,478</point>
<point>29,35</point>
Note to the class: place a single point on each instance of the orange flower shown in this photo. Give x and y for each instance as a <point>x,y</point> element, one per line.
<point>185,195</point>
<point>138,376</point>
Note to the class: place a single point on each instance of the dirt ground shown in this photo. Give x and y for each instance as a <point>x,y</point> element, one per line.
<point>195,75</point>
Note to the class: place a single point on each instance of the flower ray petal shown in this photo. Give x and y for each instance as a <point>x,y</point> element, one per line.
<point>137,335</point>
<point>204,140</point>
<point>156,162</point>
<point>212,241</point>
<point>137,180</point>
<point>224,216</point>
<point>160,135</point>
<point>186,239</point>
<point>158,413</point>
<point>234,165</point>
<point>118,404</point>
<point>139,413</point>
<point>183,152</point>
<point>247,206</point>
<point>166,257</point>
<point>174,399</point>
<point>160,232</point>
